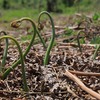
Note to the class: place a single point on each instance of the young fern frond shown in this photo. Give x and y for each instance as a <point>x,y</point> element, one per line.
<point>95,53</point>
<point>21,60</point>
<point>97,47</point>
<point>5,53</point>
<point>46,58</point>
<point>17,24</point>
<point>80,49</point>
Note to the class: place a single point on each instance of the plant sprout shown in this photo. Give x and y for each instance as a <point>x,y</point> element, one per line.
<point>46,58</point>
<point>97,47</point>
<point>21,60</point>
<point>95,53</point>
<point>80,49</point>
<point>5,53</point>
<point>17,24</point>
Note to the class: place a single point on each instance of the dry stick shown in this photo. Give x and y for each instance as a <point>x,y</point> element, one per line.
<point>69,27</point>
<point>48,34</point>
<point>63,29</point>
<point>7,86</point>
<point>62,39</point>
<point>79,73</point>
<point>78,81</point>
<point>74,44</point>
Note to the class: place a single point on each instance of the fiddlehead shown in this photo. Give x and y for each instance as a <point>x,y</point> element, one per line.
<point>21,60</point>
<point>80,49</point>
<point>5,52</point>
<point>46,58</point>
<point>17,24</point>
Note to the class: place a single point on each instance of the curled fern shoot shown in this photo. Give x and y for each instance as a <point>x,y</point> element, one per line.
<point>80,49</point>
<point>22,60</point>
<point>5,53</point>
<point>16,24</point>
<point>46,58</point>
<point>95,53</point>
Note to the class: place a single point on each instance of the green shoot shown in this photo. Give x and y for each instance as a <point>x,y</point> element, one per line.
<point>21,60</point>
<point>4,54</point>
<point>46,58</point>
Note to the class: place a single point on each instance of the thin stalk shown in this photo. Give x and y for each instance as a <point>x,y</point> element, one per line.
<point>95,53</point>
<point>21,60</point>
<point>16,24</point>
<point>5,53</point>
<point>46,58</point>
<point>80,49</point>
<point>42,40</point>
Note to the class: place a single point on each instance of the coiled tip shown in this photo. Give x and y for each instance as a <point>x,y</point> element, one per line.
<point>15,24</point>
<point>40,26</point>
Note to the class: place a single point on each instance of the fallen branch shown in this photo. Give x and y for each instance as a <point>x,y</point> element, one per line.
<point>76,27</point>
<point>75,44</point>
<point>78,81</point>
<point>48,34</point>
<point>84,73</point>
<point>60,27</point>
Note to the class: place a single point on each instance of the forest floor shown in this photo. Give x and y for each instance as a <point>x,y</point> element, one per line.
<point>69,75</point>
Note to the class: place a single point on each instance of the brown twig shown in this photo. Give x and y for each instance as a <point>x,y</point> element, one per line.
<point>76,27</point>
<point>48,34</point>
<point>60,27</point>
<point>79,73</point>
<point>79,82</point>
<point>7,85</point>
<point>75,44</point>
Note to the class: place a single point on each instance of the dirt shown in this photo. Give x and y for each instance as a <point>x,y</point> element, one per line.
<point>49,82</point>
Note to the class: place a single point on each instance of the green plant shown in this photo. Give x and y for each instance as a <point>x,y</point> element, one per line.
<point>78,37</point>
<point>95,40</point>
<point>69,32</point>
<point>95,16</point>
<point>95,53</point>
<point>5,53</point>
<point>17,24</point>
<point>97,47</point>
<point>46,58</point>
<point>21,60</point>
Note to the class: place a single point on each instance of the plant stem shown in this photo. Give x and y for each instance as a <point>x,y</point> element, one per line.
<point>16,24</point>
<point>4,54</point>
<point>95,53</point>
<point>42,40</point>
<point>80,49</point>
<point>46,58</point>
<point>22,60</point>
